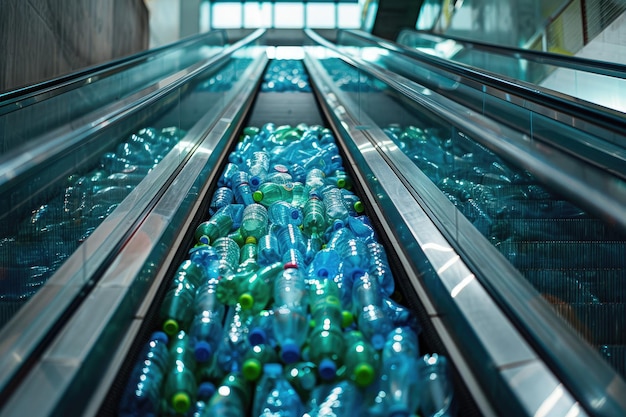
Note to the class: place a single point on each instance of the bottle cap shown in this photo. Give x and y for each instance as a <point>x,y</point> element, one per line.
<point>290,352</point>
<point>246,300</point>
<point>254,181</point>
<point>251,369</point>
<point>257,336</point>
<point>291,264</point>
<point>364,374</point>
<point>251,239</point>
<point>322,272</point>
<point>327,369</point>
<point>257,195</point>
<point>378,341</point>
<point>181,402</point>
<point>341,182</point>
<point>204,239</point>
<point>359,207</point>
<point>170,327</point>
<point>206,389</point>
<point>202,351</point>
<point>160,336</point>
<point>347,318</point>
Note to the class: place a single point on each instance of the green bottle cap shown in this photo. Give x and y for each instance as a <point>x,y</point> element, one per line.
<point>257,195</point>
<point>170,327</point>
<point>347,318</point>
<point>246,300</point>
<point>251,369</point>
<point>359,207</point>
<point>251,239</point>
<point>181,402</point>
<point>364,374</point>
<point>341,182</point>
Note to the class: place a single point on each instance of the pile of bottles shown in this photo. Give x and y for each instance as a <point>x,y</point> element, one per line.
<point>349,78</point>
<point>285,75</point>
<point>286,303</point>
<point>226,77</point>
<point>55,229</point>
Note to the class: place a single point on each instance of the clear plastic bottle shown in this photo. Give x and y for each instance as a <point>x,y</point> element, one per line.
<point>274,395</point>
<point>325,264</point>
<point>291,323</point>
<point>255,221</point>
<point>355,257</point>
<point>342,399</point>
<point>217,226</point>
<point>248,252</point>
<point>314,217</point>
<point>206,328</point>
<point>380,269</point>
<point>255,292</point>
<point>180,385</point>
<point>229,170</point>
<point>232,398</point>
<point>234,344</point>
<point>223,196</point>
<point>205,392</point>
<point>262,329</point>
<point>290,237</point>
<point>268,250</point>
<point>142,395</point>
<point>241,188</point>
<point>270,192</point>
<point>336,208</point>
<point>400,389</point>
<point>368,311</point>
<point>281,213</point>
<point>436,389</point>
<point>259,166</point>
<point>315,178</point>
<point>303,378</point>
<point>176,310</point>
<point>228,254</point>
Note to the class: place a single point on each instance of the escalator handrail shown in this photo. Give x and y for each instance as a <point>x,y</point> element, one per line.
<point>609,119</point>
<point>23,337</point>
<point>503,143</point>
<point>24,96</point>
<point>609,69</point>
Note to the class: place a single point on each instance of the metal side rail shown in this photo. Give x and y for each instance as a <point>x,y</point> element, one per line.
<point>49,311</point>
<point>586,130</point>
<point>499,367</point>
<point>74,372</point>
<point>578,371</point>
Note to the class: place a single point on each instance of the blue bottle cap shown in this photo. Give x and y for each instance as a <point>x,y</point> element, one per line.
<point>254,181</point>
<point>327,369</point>
<point>257,336</point>
<point>378,341</point>
<point>290,352</point>
<point>202,351</point>
<point>160,336</point>
<point>206,390</point>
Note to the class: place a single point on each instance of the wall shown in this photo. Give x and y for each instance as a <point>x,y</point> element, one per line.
<point>43,39</point>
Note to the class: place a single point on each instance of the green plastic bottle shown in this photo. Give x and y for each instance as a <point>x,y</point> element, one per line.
<point>256,291</point>
<point>362,361</point>
<point>232,398</point>
<point>217,226</point>
<point>180,385</point>
<point>176,310</point>
<point>255,358</point>
<point>314,217</point>
<point>270,192</point>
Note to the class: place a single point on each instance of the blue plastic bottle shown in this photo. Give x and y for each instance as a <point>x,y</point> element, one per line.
<point>355,257</point>
<point>274,395</point>
<point>262,329</point>
<point>259,166</point>
<point>268,251</point>
<point>205,392</point>
<point>142,395</point>
<point>223,196</point>
<point>255,221</point>
<point>379,268</point>
<point>400,387</point>
<point>291,323</point>
<point>368,310</point>
<point>281,213</point>
<point>343,399</point>
<point>241,188</point>
<point>436,389</point>
<point>290,237</point>
<point>234,343</point>
<point>206,328</point>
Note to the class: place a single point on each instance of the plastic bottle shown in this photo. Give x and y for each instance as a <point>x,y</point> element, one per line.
<point>361,359</point>
<point>262,329</point>
<point>255,221</point>
<point>190,273</point>
<point>291,304</point>
<point>274,395</point>
<point>325,264</point>
<point>180,385</point>
<point>400,389</point>
<point>303,378</point>
<point>224,179</point>
<point>241,188</point>
<point>342,399</point>
<point>368,311</point>
<point>290,237</point>
<point>298,173</point>
<point>326,343</point>
<point>314,217</point>
<point>176,310</point>
<point>379,268</point>
<point>255,359</point>
<point>142,395</point>
<point>281,213</point>
<point>223,196</point>
<point>299,194</point>
<point>268,251</point>
<point>255,292</point>
<point>247,253</point>
<point>217,226</point>
<point>259,166</point>
<point>315,178</point>
<point>205,392</point>
<point>206,328</point>
<point>355,257</point>
<point>232,398</point>
<point>234,344</point>
<point>228,254</point>
<point>313,244</point>
<point>269,193</point>
<point>436,389</point>
<point>335,206</point>
<point>400,315</point>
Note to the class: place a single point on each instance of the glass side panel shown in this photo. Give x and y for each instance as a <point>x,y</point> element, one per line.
<point>596,88</point>
<point>26,120</point>
<point>54,225</point>
<point>575,260</point>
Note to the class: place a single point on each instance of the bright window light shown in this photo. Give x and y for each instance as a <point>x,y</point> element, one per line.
<point>349,16</point>
<point>289,15</point>
<point>319,15</point>
<point>257,15</point>
<point>226,15</point>
<point>205,16</point>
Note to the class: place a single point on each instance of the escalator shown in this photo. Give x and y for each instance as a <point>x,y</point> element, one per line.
<point>509,352</point>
